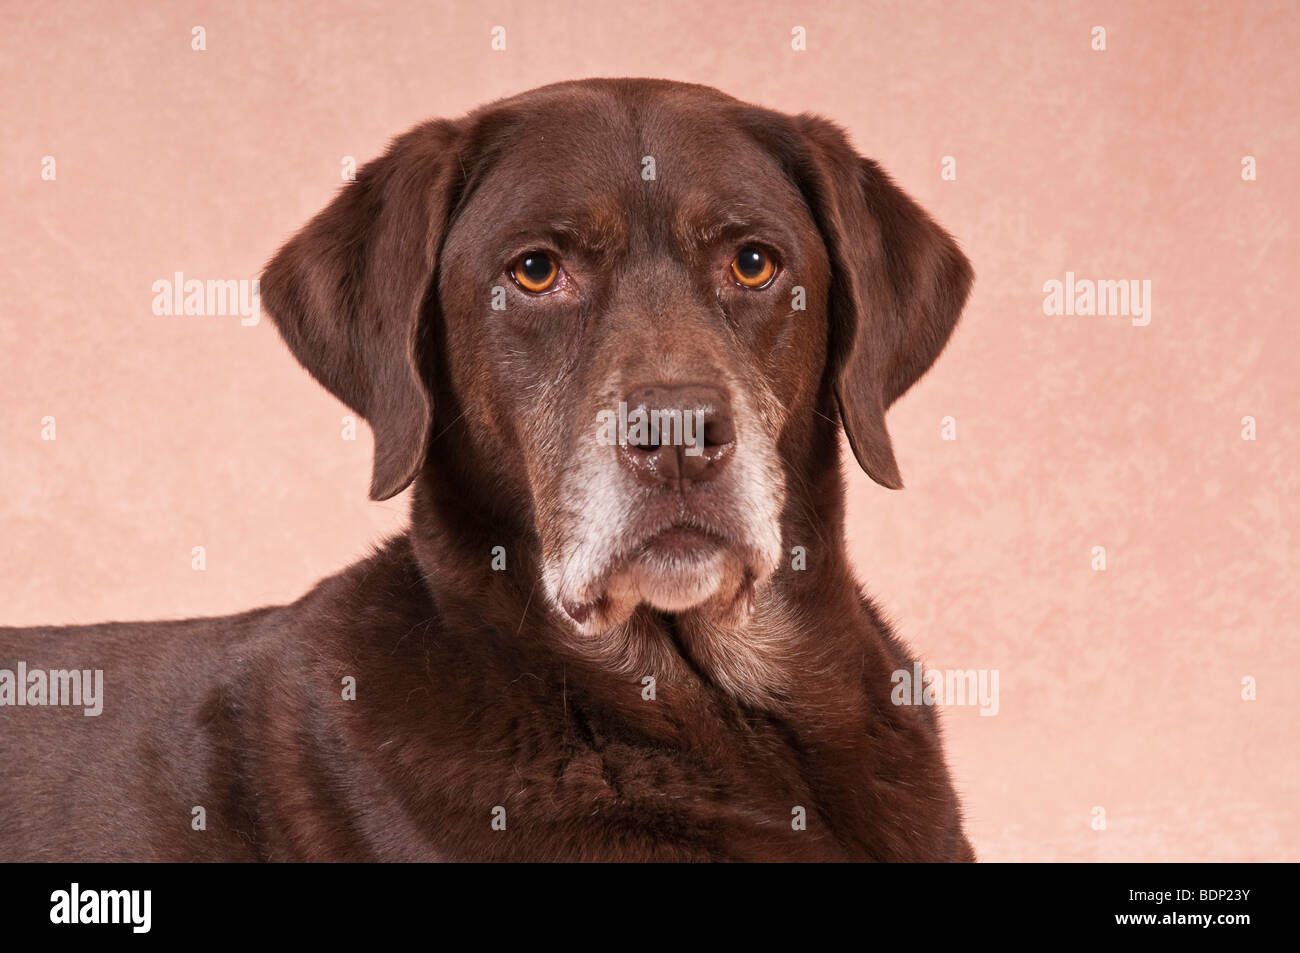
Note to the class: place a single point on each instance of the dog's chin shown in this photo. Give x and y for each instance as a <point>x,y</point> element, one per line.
<point>678,571</point>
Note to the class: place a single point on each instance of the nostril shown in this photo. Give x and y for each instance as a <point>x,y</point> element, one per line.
<point>718,432</point>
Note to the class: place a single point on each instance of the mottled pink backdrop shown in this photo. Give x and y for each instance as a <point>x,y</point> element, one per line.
<point>1120,689</point>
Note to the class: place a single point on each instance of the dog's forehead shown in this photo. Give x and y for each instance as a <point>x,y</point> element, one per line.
<point>596,153</point>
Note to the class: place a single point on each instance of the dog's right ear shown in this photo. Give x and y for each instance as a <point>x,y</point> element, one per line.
<point>347,292</point>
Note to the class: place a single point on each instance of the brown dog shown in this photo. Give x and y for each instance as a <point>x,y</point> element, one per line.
<point>596,641</point>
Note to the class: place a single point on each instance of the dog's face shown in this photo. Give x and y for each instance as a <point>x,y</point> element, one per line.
<point>638,278</point>
<point>637,301</point>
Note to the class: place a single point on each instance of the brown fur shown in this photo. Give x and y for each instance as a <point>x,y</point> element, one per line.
<point>475,689</point>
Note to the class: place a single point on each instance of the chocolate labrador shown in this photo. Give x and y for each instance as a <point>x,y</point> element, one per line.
<point>610,331</point>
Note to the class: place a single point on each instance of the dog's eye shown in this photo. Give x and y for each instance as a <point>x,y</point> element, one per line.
<point>535,272</point>
<point>753,267</point>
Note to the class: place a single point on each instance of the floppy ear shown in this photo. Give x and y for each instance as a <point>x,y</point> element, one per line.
<point>348,290</point>
<point>898,283</point>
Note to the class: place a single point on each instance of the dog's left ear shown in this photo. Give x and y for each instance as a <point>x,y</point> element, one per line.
<point>898,280</point>
<point>347,293</point>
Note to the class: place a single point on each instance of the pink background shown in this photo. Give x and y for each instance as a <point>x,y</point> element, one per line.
<point>1119,689</point>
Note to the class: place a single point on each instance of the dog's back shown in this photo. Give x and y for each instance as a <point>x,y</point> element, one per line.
<point>107,774</point>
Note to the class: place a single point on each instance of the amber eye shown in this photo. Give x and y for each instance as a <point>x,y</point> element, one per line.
<point>753,267</point>
<point>535,272</point>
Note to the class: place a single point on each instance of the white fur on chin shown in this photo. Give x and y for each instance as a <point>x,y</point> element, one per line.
<point>720,587</point>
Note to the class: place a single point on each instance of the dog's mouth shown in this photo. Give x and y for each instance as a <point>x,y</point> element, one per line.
<point>680,542</point>
<point>671,565</point>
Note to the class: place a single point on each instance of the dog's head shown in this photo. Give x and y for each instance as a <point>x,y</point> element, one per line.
<point>635,305</point>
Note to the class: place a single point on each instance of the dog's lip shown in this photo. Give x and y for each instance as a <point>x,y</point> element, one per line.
<point>680,537</point>
<point>580,612</point>
<point>681,534</point>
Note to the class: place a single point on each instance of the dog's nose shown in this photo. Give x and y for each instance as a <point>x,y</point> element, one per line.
<point>677,435</point>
